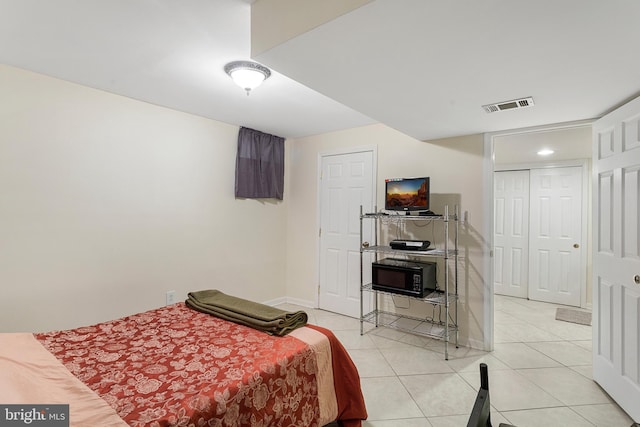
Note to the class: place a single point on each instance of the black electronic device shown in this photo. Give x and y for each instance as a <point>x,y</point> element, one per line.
<point>407,194</point>
<point>481,412</point>
<point>405,277</point>
<point>410,245</point>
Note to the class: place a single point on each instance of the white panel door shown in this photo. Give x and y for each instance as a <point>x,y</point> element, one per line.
<point>347,182</point>
<point>511,233</point>
<point>555,234</point>
<point>616,259</point>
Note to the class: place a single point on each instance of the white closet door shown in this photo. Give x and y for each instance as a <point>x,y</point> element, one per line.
<point>511,233</point>
<point>616,258</point>
<point>347,182</point>
<point>555,251</point>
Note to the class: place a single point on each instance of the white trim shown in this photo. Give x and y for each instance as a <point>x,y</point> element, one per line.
<point>543,128</point>
<point>276,301</point>
<point>488,168</point>
<point>586,223</point>
<point>289,300</point>
<point>488,247</point>
<point>300,302</point>
<point>541,165</point>
<point>350,150</point>
<point>374,178</point>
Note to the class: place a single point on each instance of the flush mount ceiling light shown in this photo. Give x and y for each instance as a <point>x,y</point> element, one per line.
<point>246,74</point>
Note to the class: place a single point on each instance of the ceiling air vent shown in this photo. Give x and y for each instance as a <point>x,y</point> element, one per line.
<point>509,105</point>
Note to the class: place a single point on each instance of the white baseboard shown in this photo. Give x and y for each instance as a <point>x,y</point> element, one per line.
<point>290,300</point>
<point>301,302</point>
<point>277,301</point>
<point>475,344</point>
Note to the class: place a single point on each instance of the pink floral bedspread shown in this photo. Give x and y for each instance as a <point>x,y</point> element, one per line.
<point>176,366</point>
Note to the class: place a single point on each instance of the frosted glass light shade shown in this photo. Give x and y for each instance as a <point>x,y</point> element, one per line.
<point>545,152</point>
<point>247,79</point>
<point>246,74</point>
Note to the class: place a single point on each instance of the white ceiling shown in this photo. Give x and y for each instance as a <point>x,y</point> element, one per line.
<point>166,52</point>
<point>424,67</point>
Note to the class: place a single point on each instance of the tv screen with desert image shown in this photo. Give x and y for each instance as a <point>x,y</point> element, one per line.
<point>407,194</point>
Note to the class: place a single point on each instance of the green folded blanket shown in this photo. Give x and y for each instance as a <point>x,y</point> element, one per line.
<point>255,315</point>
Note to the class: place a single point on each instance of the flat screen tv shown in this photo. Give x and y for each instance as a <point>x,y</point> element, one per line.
<point>407,194</point>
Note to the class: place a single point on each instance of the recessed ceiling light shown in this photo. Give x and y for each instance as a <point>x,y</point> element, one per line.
<point>545,152</point>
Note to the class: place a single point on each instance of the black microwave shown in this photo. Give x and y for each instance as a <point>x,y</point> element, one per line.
<point>405,277</point>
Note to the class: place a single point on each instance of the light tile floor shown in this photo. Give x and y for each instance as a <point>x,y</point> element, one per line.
<point>539,372</point>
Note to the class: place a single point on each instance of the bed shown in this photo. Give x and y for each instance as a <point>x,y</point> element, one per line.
<point>175,366</point>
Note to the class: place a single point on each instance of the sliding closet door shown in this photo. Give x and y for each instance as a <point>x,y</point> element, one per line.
<point>556,249</point>
<point>511,233</point>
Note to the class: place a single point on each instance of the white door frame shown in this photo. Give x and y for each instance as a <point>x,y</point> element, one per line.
<point>349,150</point>
<point>488,169</point>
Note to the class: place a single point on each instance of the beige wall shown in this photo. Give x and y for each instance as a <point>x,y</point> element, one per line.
<point>106,203</point>
<point>276,21</point>
<point>455,168</point>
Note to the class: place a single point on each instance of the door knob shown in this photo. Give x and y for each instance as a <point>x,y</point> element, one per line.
<point>365,244</point>
<point>636,279</point>
<point>575,245</point>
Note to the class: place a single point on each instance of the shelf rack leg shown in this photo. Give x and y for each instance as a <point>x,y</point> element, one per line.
<point>446,281</point>
<point>361,279</point>
<point>455,266</point>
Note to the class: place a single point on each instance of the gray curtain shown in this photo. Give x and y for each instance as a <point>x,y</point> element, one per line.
<point>259,165</point>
